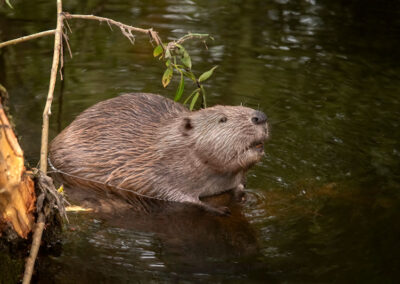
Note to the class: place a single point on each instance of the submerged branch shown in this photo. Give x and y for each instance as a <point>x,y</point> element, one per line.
<point>37,237</point>
<point>26,38</point>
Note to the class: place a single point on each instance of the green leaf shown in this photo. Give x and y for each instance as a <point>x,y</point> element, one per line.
<point>188,98</point>
<point>168,62</point>
<point>186,60</point>
<point>189,74</point>
<point>180,50</point>
<point>185,56</point>
<point>180,47</point>
<point>207,74</point>
<point>179,91</point>
<point>158,50</point>
<point>166,78</point>
<point>9,4</point>
<point>196,96</point>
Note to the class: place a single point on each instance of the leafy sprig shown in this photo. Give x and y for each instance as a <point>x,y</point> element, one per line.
<point>177,60</point>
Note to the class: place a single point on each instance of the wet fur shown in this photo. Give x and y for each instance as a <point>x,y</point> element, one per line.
<point>147,145</point>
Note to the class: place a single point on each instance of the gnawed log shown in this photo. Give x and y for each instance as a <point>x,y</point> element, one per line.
<point>17,193</point>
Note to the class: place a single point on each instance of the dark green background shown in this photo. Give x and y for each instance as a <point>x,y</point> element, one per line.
<point>323,204</point>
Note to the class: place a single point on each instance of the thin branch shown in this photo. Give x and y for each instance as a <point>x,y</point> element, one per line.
<point>61,63</point>
<point>128,34</point>
<point>108,23</point>
<point>154,36</point>
<point>190,36</point>
<point>40,223</point>
<point>125,29</point>
<point>37,237</point>
<point>67,42</point>
<point>102,19</point>
<point>53,78</point>
<point>26,38</point>
<point>69,28</point>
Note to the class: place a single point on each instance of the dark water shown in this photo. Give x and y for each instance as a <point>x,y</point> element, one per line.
<point>323,205</point>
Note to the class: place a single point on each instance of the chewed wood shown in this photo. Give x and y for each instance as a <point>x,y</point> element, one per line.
<point>17,195</point>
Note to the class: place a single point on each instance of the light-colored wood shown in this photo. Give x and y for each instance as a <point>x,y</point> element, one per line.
<point>53,78</point>
<point>17,194</point>
<point>26,38</point>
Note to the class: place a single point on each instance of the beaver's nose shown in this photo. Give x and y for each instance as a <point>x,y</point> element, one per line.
<point>259,117</point>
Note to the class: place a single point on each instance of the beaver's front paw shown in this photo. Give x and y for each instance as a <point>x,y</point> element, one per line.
<point>239,193</point>
<point>221,211</point>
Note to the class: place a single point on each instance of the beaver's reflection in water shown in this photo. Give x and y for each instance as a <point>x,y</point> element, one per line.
<point>190,238</point>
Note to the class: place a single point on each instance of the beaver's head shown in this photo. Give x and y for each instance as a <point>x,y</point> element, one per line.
<point>227,138</point>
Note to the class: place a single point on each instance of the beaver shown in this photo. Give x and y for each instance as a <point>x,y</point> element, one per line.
<point>146,145</point>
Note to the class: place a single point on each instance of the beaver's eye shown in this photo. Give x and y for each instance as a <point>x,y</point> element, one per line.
<point>223,119</point>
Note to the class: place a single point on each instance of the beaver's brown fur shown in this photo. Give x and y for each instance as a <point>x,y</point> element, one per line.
<point>147,145</point>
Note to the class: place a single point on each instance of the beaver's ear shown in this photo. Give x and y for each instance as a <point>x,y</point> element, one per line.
<point>186,126</point>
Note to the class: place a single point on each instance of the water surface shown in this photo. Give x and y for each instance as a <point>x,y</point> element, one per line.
<point>323,205</point>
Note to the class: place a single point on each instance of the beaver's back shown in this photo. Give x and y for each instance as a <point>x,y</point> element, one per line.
<point>111,134</point>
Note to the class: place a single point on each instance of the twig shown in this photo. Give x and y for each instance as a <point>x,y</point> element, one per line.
<point>125,29</point>
<point>108,23</point>
<point>128,34</point>
<point>67,42</point>
<point>69,28</point>
<point>37,235</point>
<point>26,38</point>
<point>53,78</point>
<point>61,63</point>
<point>190,36</point>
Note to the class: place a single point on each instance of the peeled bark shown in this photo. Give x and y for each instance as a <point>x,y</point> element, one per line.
<point>17,193</point>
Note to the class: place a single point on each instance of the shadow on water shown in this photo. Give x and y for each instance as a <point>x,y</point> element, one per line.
<point>170,241</point>
<point>307,233</point>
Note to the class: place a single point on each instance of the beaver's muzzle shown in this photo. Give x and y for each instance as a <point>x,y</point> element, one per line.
<point>259,117</point>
